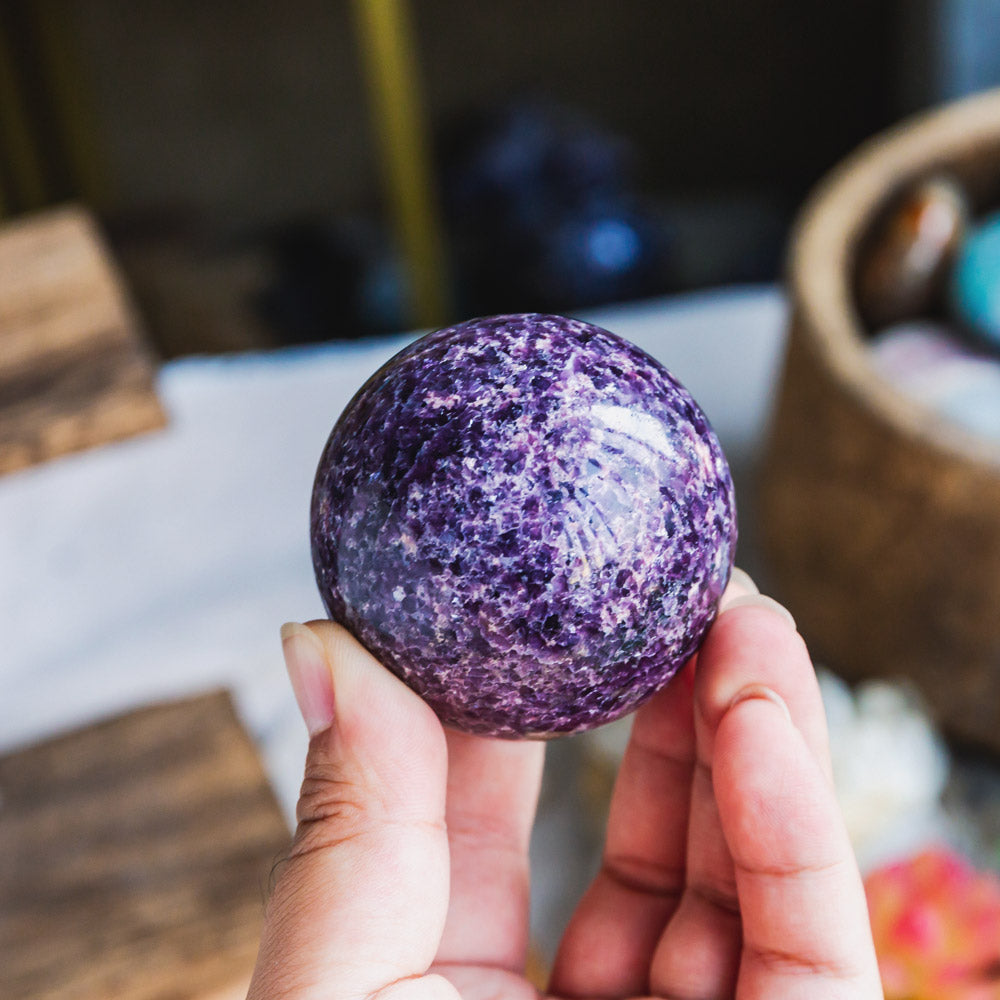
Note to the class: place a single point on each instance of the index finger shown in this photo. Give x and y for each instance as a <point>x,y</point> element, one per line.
<point>610,940</point>
<point>608,947</point>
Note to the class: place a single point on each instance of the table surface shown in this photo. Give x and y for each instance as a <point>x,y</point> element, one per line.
<point>163,566</point>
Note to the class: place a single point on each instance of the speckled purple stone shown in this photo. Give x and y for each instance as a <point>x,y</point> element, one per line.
<point>526,518</point>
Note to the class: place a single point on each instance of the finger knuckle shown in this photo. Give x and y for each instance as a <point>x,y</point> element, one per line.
<point>331,805</point>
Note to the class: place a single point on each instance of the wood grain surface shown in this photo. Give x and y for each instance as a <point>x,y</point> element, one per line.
<point>135,858</point>
<point>74,370</point>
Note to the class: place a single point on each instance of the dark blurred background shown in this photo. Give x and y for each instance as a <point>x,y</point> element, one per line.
<point>579,152</point>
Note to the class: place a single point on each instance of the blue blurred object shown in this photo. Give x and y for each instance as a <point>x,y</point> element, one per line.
<point>543,213</point>
<point>334,281</point>
<point>975,284</point>
<point>504,163</point>
<point>601,252</point>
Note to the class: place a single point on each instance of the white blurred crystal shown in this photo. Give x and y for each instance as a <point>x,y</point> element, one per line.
<point>890,767</point>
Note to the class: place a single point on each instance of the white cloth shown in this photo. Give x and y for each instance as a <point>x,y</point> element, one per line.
<point>163,565</point>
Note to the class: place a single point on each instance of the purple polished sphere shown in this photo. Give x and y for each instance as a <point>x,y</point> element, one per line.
<point>527,519</point>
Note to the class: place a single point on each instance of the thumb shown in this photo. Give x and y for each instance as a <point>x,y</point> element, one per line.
<point>360,903</point>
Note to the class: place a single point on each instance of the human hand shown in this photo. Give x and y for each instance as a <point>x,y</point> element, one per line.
<point>726,872</point>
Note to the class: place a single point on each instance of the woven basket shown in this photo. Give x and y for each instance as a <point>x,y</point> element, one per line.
<point>881,521</point>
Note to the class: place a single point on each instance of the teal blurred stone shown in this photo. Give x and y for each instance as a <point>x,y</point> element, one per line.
<point>975,284</point>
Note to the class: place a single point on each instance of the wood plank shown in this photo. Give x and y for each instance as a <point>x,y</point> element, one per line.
<point>74,368</point>
<point>135,858</point>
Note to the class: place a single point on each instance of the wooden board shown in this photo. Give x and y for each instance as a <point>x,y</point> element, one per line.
<point>135,858</point>
<point>74,371</point>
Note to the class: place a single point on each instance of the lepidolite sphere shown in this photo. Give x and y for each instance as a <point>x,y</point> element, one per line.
<point>528,520</point>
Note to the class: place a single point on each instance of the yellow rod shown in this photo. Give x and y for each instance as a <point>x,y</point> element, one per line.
<point>23,159</point>
<point>67,87</point>
<point>390,67</point>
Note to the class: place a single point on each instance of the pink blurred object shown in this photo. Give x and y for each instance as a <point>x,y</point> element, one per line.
<point>931,363</point>
<point>936,922</point>
<point>912,350</point>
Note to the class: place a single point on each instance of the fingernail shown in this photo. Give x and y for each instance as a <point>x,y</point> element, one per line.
<point>760,691</point>
<point>742,579</point>
<point>309,672</point>
<point>758,601</point>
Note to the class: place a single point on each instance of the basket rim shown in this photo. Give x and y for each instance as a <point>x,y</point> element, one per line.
<point>824,241</point>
